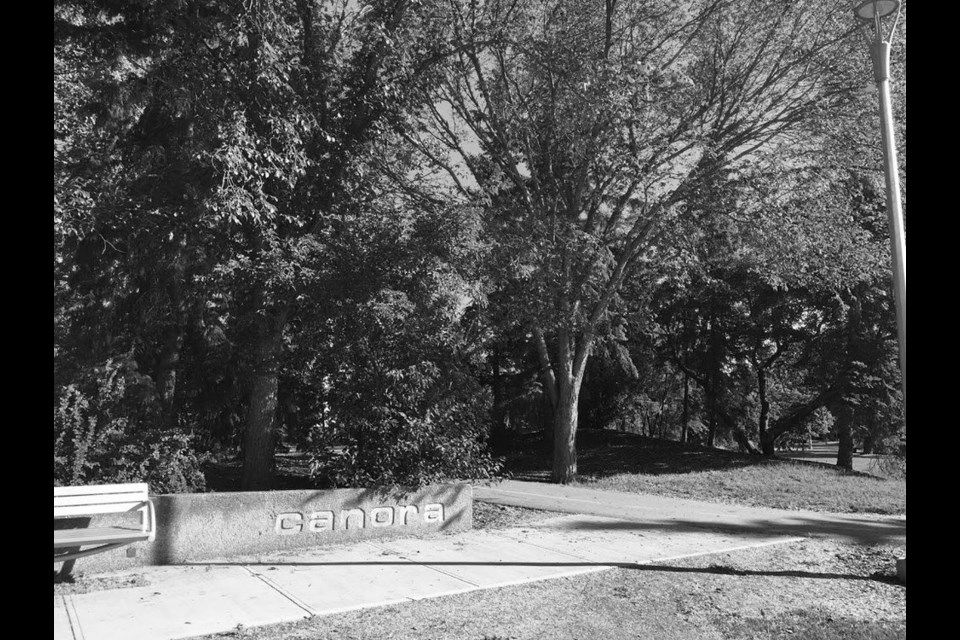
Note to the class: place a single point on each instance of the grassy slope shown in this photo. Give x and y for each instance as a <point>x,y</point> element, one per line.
<point>632,463</point>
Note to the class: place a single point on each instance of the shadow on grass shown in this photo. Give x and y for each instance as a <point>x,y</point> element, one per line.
<point>602,453</point>
<point>864,532</point>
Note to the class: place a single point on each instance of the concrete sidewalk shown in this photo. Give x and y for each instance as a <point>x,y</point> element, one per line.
<point>209,597</point>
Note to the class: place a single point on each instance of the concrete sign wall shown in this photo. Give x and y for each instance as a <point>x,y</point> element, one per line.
<point>207,526</point>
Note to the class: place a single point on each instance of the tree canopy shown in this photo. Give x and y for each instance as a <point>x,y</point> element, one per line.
<point>375,229</point>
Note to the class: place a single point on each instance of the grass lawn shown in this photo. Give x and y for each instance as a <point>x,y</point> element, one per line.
<point>631,463</point>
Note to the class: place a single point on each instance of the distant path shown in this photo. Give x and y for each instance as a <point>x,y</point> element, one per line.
<point>826,452</point>
<point>659,512</point>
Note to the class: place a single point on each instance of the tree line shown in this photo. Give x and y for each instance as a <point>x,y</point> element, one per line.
<point>394,233</point>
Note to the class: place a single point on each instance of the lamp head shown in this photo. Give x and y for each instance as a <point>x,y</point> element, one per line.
<point>871,14</point>
<point>870,9</point>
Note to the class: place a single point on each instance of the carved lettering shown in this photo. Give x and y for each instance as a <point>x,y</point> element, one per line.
<point>289,523</point>
<point>403,513</point>
<point>433,513</point>
<point>320,521</point>
<point>381,517</point>
<point>352,513</point>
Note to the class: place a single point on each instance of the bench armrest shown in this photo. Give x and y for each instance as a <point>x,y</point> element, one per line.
<point>148,519</point>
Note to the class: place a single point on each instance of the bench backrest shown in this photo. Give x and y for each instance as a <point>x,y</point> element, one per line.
<point>101,498</point>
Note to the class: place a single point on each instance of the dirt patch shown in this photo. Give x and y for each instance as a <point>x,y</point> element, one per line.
<point>497,516</point>
<point>76,583</point>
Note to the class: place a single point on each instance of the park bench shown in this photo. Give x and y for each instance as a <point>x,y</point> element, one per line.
<point>95,500</point>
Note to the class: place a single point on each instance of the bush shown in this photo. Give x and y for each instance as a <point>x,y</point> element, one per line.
<point>105,431</point>
<point>414,427</point>
<point>893,458</point>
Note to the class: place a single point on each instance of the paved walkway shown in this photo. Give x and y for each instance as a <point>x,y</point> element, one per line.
<point>603,530</point>
<point>678,515</point>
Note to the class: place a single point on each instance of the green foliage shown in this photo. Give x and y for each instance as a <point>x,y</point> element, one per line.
<point>402,395</point>
<point>405,410</point>
<point>406,428</point>
<point>390,192</point>
<point>893,458</point>
<point>102,433</point>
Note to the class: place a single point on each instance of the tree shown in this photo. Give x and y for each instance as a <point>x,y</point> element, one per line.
<point>749,299</point>
<point>584,128</point>
<point>233,145</point>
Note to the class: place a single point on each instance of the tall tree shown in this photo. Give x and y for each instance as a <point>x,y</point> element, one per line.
<point>583,127</point>
<point>238,130</point>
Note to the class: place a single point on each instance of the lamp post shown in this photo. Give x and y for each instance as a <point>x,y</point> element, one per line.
<point>877,27</point>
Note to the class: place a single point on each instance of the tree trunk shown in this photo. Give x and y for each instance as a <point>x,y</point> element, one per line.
<point>763,423</point>
<point>711,403</point>
<point>498,430</point>
<point>169,360</point>
<point>565,434</point>
<point>743,440</point>
<point>845,430</point>
<point>738,433</point>
<point>686,408</point>
<point>259,435</point>
<point>548,381</point>
<point>713,377</point>
<point>166,373</point>
<point>796,414</point>
<point>570,366</point>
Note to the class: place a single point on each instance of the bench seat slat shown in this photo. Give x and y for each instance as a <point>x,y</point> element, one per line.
<point>113,498</point>
<point>99,489</point>
<point>96,535</point>
<point>90,509</point>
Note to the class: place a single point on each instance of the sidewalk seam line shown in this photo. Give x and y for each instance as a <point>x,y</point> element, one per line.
<point>565,553</point>
<point>73,618</point>
<point>289,596</point>
<point>429,566</point>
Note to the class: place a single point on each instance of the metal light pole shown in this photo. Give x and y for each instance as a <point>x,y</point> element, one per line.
<point>872,15</point>
<point>878,27</point>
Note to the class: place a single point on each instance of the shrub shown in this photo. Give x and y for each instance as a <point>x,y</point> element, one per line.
<point>416,427</point>
<point>105,431</point>
<point>893,458</point>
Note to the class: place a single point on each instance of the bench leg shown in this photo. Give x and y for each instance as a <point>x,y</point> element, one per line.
<point>65,570</point>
